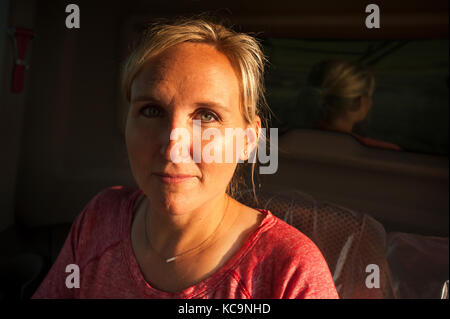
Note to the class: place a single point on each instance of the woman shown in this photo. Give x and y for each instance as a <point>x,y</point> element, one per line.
<point>346,90</point>
<point>181,235</point>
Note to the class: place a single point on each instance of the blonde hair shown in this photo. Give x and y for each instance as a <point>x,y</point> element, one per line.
<point>340,85</point>
<point>243,51</point>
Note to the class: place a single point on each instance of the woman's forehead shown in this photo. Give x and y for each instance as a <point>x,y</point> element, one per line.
<point>190,60</point>
<point>189,68</point>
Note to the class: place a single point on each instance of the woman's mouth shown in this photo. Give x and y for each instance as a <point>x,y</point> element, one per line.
<point>173,178</point>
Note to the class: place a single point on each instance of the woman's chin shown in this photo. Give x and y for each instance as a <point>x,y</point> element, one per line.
<point>173,202</point>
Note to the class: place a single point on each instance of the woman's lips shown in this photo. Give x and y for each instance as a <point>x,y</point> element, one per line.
<point>173,178</point>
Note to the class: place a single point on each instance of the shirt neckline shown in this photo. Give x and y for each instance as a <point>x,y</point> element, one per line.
<point>206,285</point>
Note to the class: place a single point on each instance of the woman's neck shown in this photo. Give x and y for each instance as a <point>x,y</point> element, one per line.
<point>344,125</point>
<point>170,234</point>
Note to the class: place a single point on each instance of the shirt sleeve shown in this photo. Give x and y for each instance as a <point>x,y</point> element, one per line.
<point>54,285</point>
<point>308,276</point>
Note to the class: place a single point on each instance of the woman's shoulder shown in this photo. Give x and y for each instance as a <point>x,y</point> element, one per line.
<point>274,234</point>
<point>285,236</point>
<point>376,143</point>
<point>286,244</point>
<point>109,202</point>
<point>105,212</point>
<point>113,196</point>
<point>286,260</point>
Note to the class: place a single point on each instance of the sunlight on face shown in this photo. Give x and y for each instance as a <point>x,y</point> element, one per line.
<point>190,81</point>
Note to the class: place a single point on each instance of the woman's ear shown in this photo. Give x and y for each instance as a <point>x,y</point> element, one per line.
<point>252,138</point>
<point>366,102</point>
<point>364,107</point>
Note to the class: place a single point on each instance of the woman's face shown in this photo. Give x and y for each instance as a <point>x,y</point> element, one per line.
<point>187,82</point>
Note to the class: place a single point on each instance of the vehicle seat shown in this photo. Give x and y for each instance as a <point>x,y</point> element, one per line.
<point>20,275</point>
<point>26,257</point>
<point>349,241</point>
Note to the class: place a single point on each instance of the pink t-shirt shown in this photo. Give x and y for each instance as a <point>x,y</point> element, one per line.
<point>276,261</point>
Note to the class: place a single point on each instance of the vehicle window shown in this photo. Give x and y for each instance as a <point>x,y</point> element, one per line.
<point>411,98</point>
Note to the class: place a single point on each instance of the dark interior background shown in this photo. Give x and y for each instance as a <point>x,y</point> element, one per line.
<point>61,138</point>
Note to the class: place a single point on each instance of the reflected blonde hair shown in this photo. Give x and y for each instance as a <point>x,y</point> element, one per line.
<point>340,84</point>
<point>243,51</point>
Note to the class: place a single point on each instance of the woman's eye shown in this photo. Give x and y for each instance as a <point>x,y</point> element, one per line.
<point>208,117</point>
<point>151,111</point>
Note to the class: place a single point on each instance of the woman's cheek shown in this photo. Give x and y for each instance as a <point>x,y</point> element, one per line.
<point>212,147</point>
<point>140,146</point>
<point>218,148</point>
<point>214,158</point>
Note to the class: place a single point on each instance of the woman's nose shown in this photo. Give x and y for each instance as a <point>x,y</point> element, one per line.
<point>176,139</point>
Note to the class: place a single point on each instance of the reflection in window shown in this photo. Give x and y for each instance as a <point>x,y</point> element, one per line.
<point>410,101</point>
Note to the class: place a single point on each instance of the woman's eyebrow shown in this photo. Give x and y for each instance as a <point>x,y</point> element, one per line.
<point>208,104</point>
<point>212,104</point>
<point>144,98</point>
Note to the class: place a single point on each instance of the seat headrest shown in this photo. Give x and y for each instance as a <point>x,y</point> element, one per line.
<point>349,241</point>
